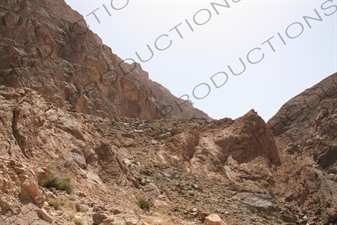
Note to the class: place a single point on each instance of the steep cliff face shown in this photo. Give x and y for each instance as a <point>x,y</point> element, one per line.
<point>303,109</point>
<point>309,120</point>
<point>305,130</point>
<point>48,47</point>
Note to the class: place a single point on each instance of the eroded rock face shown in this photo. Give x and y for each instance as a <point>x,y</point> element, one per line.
<point>305,130</point>
<point>242,151</point>
<point>243,171</point>
<point>305,109</point>
<point>308,123</point>
<point>247,138</point>
<point>47,46</point>
<point>234,168</point>
<point>33,129</point>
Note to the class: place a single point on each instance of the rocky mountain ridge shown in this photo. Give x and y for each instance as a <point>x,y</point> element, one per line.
<point>48,47</point>
<point>84,142</point>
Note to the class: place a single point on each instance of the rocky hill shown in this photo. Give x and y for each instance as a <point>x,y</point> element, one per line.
<point>47,46</point>
<point>305,129</point>
<point>83,142</point>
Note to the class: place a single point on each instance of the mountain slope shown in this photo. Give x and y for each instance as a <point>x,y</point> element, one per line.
<point>87,139</point>
<point>47,46</point>
<point>305,128</point>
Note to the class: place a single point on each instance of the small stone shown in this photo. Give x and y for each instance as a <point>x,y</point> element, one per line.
<point>116,212</point>
<point>46,206</point>
<point>214,219</point>
<point>99,217</point>
<point>109,220</point>
<point>19,170</point>
<point>162,197</point>
<point>46,170</point>
<point>166,175</point>
<point>143,182</point>
<point>50,194</point>
<point>164,136</point>
<point>195,186</point>
<point>202,215</point>
<point>82,194</point>
<point>44,215</point>
<point>139,131</point>
<point>81,208</point>
<point>194,214</point>
<point>287,218</point>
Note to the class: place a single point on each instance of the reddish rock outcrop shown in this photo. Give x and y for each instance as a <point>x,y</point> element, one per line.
<point>242,151</point>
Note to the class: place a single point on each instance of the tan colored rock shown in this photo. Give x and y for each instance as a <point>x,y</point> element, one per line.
<point>46,207</point>
<point>159,203</point>
<point>31,190</point>
<point>19,170</point>
<point>44,215</point>
<point>182,146</point>
<point>214,219</point>
<point>81,207</point>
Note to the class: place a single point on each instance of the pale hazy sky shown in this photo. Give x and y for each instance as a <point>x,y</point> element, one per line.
<point>200,43</point>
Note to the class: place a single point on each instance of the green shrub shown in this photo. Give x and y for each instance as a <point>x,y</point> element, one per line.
<point>266,214</point>
<point>60,183</point>
<point>143,204</point>
<point>315,201</point>
<point>271,193</point>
